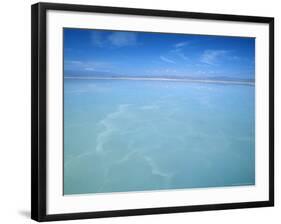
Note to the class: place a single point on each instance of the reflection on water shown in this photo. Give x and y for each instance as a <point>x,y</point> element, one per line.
<point>124,136</point>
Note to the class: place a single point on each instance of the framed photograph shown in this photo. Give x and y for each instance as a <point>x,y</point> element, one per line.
<point>140,111</point>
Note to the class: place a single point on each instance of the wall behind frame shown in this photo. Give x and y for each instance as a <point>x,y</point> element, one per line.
<point>15,111</point>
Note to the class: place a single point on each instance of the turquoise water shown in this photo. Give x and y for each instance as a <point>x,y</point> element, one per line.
<point>122,135</point>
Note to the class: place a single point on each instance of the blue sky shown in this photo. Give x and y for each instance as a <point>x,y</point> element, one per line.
<point>100,52</point>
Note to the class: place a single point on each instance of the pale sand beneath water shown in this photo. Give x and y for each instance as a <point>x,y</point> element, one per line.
<point>165,79</point>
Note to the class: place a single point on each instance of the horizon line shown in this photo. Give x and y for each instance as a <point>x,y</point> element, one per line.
<point>164,79</point>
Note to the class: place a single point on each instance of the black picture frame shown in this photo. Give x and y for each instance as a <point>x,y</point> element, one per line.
<point>38,108</point>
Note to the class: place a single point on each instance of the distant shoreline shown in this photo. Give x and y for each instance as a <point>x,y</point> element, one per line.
<point>165,79</point>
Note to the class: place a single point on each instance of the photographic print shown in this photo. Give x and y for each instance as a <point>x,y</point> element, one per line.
<point>148,111</point>
<point>141,111</point>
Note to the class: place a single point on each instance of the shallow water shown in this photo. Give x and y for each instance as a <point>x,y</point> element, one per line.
<point>122,135</point>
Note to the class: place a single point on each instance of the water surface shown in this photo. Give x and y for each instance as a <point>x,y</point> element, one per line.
<point>133,135</point>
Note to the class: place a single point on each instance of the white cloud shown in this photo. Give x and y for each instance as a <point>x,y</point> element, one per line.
<point>120,39</point>
<point>86,65</point>
<point>183,56</point>
<point>167,60</point>
<point>73,62</point>
<point>162,71</point>
<point>178,50</point>
<point>181,44</point>
<point>211,57</point>
<point>116,39</point>
<point>179,53</point>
